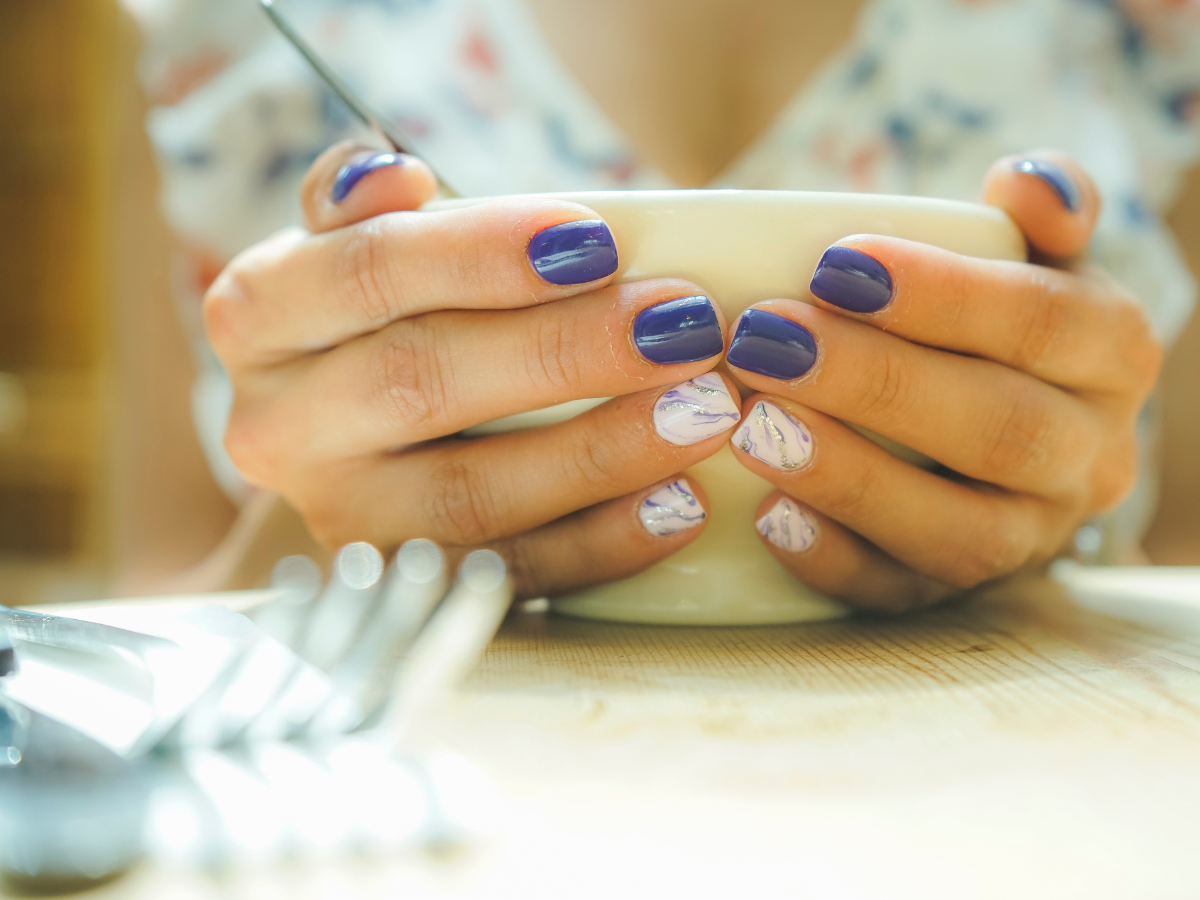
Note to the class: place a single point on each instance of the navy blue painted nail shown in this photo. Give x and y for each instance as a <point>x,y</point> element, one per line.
<point>852,280</point>
<point>1055,176</point>
<point>354,171</point>
<point>574,252</point>
<point>679,331</point>
<point>772,345</point>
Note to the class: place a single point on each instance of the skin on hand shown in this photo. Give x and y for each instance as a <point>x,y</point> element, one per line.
<point>1023,380</point>
<point>360,348</point>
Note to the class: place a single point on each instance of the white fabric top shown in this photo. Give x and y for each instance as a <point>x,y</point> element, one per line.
<point>925,95</point>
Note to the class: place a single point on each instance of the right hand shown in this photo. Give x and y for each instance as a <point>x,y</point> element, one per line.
<point>360,347</point>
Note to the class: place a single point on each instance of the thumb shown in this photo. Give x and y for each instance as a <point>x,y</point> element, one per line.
<point>349,183</point>
<point>1050,198</point>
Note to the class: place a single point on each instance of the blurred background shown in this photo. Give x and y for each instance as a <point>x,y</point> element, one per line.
<point>79,230</point>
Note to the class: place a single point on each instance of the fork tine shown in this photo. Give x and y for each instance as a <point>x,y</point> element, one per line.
<point>451,643</point>
<point>415,584</point>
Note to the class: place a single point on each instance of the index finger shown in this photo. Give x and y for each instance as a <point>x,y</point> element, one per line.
<point>297,294</point>
<point>1080,332</point>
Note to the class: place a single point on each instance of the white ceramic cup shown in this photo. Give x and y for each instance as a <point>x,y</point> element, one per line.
<point>742,247</point>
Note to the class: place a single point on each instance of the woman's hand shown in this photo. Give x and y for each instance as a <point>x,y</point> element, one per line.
<point>358,350</point>
<point>1021,379</point>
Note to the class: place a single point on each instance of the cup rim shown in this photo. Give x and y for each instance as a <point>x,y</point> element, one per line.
<point>743,198</point>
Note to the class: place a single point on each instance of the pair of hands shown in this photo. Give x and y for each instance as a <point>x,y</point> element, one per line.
<point>360,348</point>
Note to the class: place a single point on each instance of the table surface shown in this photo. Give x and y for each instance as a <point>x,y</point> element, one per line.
<point>1031,741</point>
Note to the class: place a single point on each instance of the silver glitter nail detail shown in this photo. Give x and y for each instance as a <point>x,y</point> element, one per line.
<point>788,527</point>
<point>771,435</point>
<point>671,509</point>
<point>695,410</point>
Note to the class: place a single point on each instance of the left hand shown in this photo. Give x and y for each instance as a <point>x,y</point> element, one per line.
<point>1022,379</point>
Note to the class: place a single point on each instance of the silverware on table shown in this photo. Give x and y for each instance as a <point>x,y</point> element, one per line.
<point>8,654</point>
<point>75,634</point>
<point>333,768</point>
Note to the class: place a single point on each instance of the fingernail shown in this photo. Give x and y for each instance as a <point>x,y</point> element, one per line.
<point>354,171</point>
<point>772,345</point>
<point>679,331</point>
<point>574,252</point>
<point>772,436</point>
<point>695,410</point>
<point>671,509</point>
<point>788,527</point>
<point>852,280</point>
<point>1055,176</point>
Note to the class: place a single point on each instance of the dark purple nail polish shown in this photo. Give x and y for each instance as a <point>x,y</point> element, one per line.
<point>354,171</point>
<point>1055,176</point>
<point>679,331</point>
<point>574,252</point>
<point>772,345</point>
<point>852,280</point>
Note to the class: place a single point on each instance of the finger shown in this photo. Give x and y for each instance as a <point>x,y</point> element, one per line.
<point>468,492</point>
<point>611,540</point>
<point>838,563</point>
<point>955,533</point>
<point>350,183</point>
<point>1079,332</point>
<point>439,373</point>
<point>978,418</point>
<point>1050,198</point>
<point>295,294</point>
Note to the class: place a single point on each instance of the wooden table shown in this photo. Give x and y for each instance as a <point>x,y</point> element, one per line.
<point>1021,744</point>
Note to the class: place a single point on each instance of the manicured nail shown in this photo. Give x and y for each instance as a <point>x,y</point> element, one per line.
<point>695,410</point>
<point>679,331</point>
<point>852,280</point>
<point>574,252</point>
<point>1055,176</point>
<point>772,436</point>
<point>671,509</point>
<point>788,527</point>
<point>772,345</point>
<point>354,171</point>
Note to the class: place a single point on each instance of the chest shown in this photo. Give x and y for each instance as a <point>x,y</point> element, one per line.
<point>690,83</point>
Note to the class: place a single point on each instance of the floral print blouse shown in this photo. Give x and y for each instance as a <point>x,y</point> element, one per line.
<point>920,101</point>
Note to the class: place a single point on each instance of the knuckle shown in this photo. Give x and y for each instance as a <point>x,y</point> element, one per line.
<point>1113,481</point>
<point>327,525</point>
<point>595,463</point>
<point>461,499</point>
<point>1044,324</point>
<point>413,376</point>
<point>473,270</point>
<point>1021,435</point>
<point>251,446</point>
<point>369,281</point>
<point>222,306</point>
<point>889,388</point>
<point>856,499</point>
<point>1139,347</point>
<point>552,357</point>
<point>960,293</point>
<point>995,546</point>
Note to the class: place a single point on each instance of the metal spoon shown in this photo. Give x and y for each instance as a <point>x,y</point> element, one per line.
<point>386,131</point>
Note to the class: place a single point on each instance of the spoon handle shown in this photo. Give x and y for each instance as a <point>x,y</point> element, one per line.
<point>377,123</point>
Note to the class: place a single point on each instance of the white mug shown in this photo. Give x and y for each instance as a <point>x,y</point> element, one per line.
<point>742,247</point>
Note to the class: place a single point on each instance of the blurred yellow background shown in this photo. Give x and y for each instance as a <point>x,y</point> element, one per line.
<point>73,235</point>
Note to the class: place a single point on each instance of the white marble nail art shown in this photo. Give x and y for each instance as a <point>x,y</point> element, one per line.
<point>788,527</point>
<point>695,410</point>
<point>771,435</point>
<point>671,509</point>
